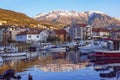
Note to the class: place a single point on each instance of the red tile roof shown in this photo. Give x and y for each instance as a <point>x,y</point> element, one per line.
<point>28,32</point>
<point>82,24</point>
<point>60,32</point>
<point>100,30</point>
<point>104,30</point>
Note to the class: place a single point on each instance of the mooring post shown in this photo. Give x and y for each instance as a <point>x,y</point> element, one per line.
<point>30,77</point>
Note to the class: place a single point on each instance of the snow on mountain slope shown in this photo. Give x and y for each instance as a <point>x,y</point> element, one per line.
<point>93,18</point>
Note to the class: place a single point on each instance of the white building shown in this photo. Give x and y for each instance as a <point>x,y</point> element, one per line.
<point>43,35</point>
<point>80,31</point>
<point>32,36</point>
<point>100,33</point>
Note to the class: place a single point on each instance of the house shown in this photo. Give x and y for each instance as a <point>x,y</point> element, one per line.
<point>62,34</point>
<point>14,30</point>
<point>32,36</point>
<point>8,33</point>
<point>117,34</point>
<point>27,36</point>
<point>114,33</point>
<point>80,31</point>
<point>43,35</point>
<point>100,33</point>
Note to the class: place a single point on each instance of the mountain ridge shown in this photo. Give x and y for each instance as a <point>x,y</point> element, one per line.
<point>93,18</point>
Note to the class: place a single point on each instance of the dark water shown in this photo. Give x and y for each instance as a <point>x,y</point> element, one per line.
<point>61,66</point>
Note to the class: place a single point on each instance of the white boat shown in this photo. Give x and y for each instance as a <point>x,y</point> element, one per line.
<point>91,47</point>
<point>57,48</point>
<point>8,49</point>
<point>14,58</point>
<point>45,47</point>
<point>13,54</point>
<point>72,44</point>
<point>113,51</point>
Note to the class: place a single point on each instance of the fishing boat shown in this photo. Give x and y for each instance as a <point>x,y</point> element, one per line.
<point>111,53</point>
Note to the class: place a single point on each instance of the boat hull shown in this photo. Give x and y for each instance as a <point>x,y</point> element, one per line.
<point>86,51</point>
<point>13,54</point>
<point>105,55</point>
<point>57,49</point>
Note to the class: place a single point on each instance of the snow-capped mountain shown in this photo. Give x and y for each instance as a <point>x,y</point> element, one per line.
<point>93,18</point>
<point>91,13</point>
<point>66,13</point>
<point>57,14</point>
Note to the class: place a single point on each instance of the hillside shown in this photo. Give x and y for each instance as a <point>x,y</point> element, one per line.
<point>52,24</point>
<point>93,18</point>
<point>15,18</point>
<point>20,19</point>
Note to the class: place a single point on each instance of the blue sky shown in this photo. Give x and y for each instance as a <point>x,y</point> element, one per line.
<point>34,7</point>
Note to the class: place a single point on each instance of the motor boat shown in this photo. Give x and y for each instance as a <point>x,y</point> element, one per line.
<point>56,48</point>
<point>13,54</point>
<point>112,53</point>
<point>91,46</point>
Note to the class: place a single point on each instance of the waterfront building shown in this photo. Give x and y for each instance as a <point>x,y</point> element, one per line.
<point>80,31</point>
<point>32,36</point>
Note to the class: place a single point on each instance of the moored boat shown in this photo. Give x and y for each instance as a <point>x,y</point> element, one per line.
<point>14,58</point>
<point>46,47</point>
<point>10,48</point>
<point>57,48</point>
<point>92,46</point>
<point>113,53</point>
<point>13,54</point>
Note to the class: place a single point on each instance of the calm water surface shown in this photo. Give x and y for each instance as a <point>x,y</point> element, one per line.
<point>61,66</point>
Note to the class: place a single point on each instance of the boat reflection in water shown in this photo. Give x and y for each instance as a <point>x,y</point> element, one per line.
<point>51,66</point>
<point>109,69</point>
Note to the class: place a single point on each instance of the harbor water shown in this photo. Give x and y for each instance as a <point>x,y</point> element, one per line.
<point>70,65</point>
